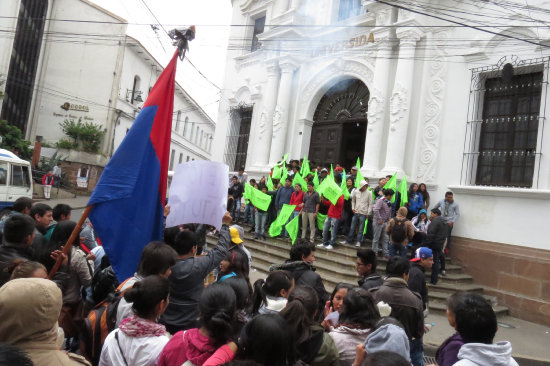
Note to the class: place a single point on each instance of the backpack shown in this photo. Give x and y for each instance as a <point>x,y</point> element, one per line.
<point>398,233</point>
<point>99,322</point>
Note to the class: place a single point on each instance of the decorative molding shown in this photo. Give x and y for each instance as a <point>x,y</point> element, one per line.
<point>398,105</point>
<point>277,120</point>
<point>429,145</point>
<point>376,109</point>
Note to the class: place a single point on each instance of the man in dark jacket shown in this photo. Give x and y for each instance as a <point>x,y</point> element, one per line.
<point>236,191</point>
<point>435,239</point>
<point>19,236</point>
<point>423,260</point>
<point>300,264</point>
<point>187,277</point>
<point>366,268</point>
<point>406,306</point>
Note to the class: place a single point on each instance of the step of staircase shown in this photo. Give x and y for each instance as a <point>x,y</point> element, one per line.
<point>338,265</point>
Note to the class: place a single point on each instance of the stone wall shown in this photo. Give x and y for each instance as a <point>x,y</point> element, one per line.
<point>518,276</point>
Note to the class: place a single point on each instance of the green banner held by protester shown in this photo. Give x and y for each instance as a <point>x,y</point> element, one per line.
<point>269,184</point>
<point>292,228</point>
<point>321,221</point>
<point>277,225</point>
<point>258,198</point>
<point>344,187</point>
<point>402,189</point>
<point>331,191</point>
<point>299,180</point>
<point>392,184</point>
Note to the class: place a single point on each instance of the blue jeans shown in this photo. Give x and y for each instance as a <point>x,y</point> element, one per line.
<point>249,214</point>
<point>357,219</point>
<point>236,209</point>
<point>330,224</point>
<point>417,352</point>
<point>261,218</point>
<point>397,249</point>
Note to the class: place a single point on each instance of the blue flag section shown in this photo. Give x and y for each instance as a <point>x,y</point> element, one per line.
<point>128,201</point>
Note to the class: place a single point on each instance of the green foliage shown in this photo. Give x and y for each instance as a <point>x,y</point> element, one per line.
<point>66,144</point>
<point>87,134</point>
<point>12,139</point>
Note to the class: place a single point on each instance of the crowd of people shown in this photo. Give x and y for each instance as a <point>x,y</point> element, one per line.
<point>377,213</point>
<point>191,305</point>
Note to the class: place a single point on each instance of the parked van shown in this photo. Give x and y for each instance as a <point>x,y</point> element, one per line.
<point>15,180</point>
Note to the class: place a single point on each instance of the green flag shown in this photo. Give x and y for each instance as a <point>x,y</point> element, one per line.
<point>365,227</point>
<point>301,181</point>
<point>321,220</point>
<point>258,198</point>
<point>331,190</point>
<point>277,171</point>
<point>305,170</point>
<point>292,228</point>
<point>269,184</point>
<point>284,175</point>
<point>316,180</point>
<point>344,187</point>
<point>277,225</point>
<point>392,184</point>
<point>402,189</point>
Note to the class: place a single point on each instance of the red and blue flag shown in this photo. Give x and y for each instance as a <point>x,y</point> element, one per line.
<point>128,201</point>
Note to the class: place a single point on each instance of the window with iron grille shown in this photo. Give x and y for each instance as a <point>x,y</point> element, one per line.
<point>505,126</point>
<point>259,25</point>
<point>240,120</point>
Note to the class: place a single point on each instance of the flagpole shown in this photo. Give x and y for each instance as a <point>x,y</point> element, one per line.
<point>70,241</point>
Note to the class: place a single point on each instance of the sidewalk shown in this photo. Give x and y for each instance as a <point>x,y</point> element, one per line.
<point>75,203</point>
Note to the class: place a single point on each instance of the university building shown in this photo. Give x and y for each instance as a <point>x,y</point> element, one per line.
<point>70,60</point>
<point>460,105</point>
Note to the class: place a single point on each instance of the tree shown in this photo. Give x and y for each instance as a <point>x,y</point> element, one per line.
<point>12,139</point>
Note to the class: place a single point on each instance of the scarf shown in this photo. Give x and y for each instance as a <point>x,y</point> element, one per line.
<point>137,327</point>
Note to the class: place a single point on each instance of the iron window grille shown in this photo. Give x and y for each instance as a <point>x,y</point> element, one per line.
<point>505,124</point>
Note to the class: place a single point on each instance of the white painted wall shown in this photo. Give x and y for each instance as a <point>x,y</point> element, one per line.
<point>433,152</point>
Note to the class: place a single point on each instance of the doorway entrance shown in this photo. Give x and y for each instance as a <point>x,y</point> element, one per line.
<point>340,125</point>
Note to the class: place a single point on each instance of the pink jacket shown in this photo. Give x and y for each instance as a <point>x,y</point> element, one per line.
<point>187,345</point>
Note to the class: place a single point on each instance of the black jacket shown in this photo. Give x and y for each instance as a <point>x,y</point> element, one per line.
<point>406,306</point>
<point>417,282</point>
<point>187,283</point>
<point>437,233</point>
<point>9,253</point>
<point>371,281</point>
<point>304,274</point>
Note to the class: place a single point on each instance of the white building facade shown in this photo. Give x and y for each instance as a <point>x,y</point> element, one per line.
<point>459,106</point>
<point>72,60</point>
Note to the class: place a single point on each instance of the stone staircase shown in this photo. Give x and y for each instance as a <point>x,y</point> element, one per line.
<point>338,265</point>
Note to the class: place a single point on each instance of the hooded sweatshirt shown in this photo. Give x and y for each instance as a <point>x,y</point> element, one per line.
<point>480,354</point>
<point>346,340</point>
<point>29,309</point>
<point>187,345</point>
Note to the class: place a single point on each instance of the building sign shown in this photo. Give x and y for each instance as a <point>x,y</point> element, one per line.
<point>75,107</point>
<point>335,47</point>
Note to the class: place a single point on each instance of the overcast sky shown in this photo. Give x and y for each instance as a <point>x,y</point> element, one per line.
<point>207,51</point>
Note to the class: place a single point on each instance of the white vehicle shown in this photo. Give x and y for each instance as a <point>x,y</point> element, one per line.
<point>15,180</point>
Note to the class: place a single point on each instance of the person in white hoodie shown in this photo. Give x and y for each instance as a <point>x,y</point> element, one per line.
<point>476,322</point>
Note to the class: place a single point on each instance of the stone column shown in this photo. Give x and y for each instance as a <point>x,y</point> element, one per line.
<point>265,124</point>
<point>400,101</point>
<point>377,106</point>
<point>281,112</point>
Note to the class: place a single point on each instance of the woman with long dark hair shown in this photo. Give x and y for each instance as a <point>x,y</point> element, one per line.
<point>359,315</point>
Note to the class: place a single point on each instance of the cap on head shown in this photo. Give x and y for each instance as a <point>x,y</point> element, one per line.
<point>235,238</point>
<point>422,253</point>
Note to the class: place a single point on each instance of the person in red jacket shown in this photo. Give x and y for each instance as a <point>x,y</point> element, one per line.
<point>333,217</point>
<point>47,183</point>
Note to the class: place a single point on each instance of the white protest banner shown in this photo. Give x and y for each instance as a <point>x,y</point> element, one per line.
<point>198,194</point>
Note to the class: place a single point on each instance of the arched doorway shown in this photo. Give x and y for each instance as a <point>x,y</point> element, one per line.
<point>340,124</point>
